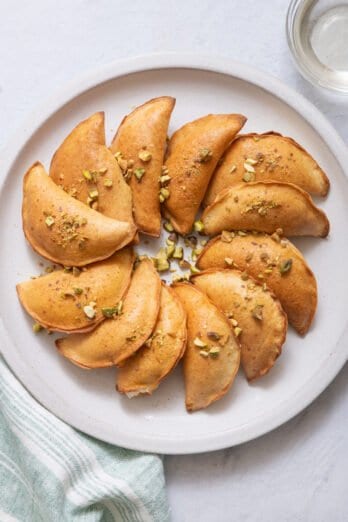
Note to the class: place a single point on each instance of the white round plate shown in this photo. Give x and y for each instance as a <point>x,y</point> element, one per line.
<point>87,400</point>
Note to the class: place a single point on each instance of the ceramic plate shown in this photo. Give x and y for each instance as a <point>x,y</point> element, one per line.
<point>87,399</point>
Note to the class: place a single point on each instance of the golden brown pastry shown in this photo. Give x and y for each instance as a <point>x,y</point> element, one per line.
<point>143,372</point>
<point>88,171</point>
<point>116,339</point>
<point>141,140</point>
<point>267,157</point>
<point>255,314</point>
<point>64,230</point>
<point>274,262</point>
<point>265,207</point>
<point>58,300</point>
<point>193,153</point>
<point>212,355</point>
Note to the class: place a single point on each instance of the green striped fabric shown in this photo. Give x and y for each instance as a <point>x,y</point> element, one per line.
<point>50,472</point>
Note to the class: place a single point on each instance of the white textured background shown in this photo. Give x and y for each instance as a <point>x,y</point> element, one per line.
<point>300,471</point>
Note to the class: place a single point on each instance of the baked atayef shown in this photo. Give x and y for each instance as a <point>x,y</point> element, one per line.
<point>265,157</point>
<point>212,354</point>
<point>141,142</point>
<point>88,171</point>
<point>273,261</point>
<point>193,153</point>
<point>143,372</point>
<point>265,206</point>
<point>257,316</point>
<point>58,300</point>
<point>122,335</point>
<point>64,230</point>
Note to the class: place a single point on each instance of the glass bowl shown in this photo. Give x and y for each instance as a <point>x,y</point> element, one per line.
<point>317,32</point>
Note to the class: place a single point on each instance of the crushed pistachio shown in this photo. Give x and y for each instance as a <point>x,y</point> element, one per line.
<point>275,237</point>
<point>214,351</point>
<point>234,322</point>
<point>198,226</point>
<point>250,161</point>
<point>77,290</point>
<point>249,168</point>
<point>36,328</point>
<point>233,169</point>
<point>168,227</point>
<point>178,253</point>
<point>163,194</point>
<point>184,264</point>
<point>242,233</point>
<point>173,237</point>
<point>164,170</point>
<point>196,252</point>
<point>118,155</point>
<point>285,266</point>
<point>89,310</point>
<point>194,270</point>
<point>87,175</point>
<point>237,331</point>
<point>204,155</point>
<point>170,249</point>
<point>93,194</point>
<point>145,156</point>
<point>203,353</point>
<point>103,171</point>
<point>226,236</point>
<point>108,183</point>
<point>139,173</point>
<point>199,343</point>
<point>49,269</point>
<point>244,276</point>
<point>191,241</point>
<point>49,221</point>
<point>122,163</point>
<point>76,271</point>
<point>257,312</point>
<point>256,138</point>
<point>248,176</point>
<point>203,242</point>
<point>161,260</point>
<point>213,336</point>
<point>109,311</point>
<point>228,261</point>
<point>164,180</point>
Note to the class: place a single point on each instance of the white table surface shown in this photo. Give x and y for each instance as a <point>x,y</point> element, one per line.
<point>298,472</point>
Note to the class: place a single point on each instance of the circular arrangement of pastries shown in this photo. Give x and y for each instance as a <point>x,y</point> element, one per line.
<point>232,294</point>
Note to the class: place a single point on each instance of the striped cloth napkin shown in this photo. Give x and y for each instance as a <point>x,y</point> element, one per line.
<point>50,472</point>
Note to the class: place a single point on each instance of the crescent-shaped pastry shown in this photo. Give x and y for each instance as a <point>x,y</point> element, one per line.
<point>88,171</point>
<point>274,262</point>
<point>265,207</point>
<point>212,355</point>
<point>267,157</point>
<point>116,339</point>
<point>193,153</point>
<point>64,230</point>
<point>141,141</point>
<point>143,372</point>
<point>255,314</point>
<point>58,301</point>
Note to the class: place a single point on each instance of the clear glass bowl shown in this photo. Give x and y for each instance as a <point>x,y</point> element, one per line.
<point>317,32</point>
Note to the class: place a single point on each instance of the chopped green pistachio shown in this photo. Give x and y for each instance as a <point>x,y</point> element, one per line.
<point>139,173</point>
<point>178,252</point>
<point>89,310</point>
<point>214,351</point>
<point>184,264</point>
<point>214,336</point>
<point>251,161</point>
<point>248,167</point>
<point>237,331</point>
<point>234,322</point>
<point>145,156</point>
<point>169,242</point>
<point>173,237</point>
<point>49,269</point>
<point>257,312</point>
<point>164,169</point>
<point>161,198</point>
<point>198,226</point>
<point>199,343</point>
<point>242,233</point>
<point>191,241</point>
<point>233,169</point>
<point>203,353</point>
<point>108,183</point>
<point>119,307</point>
<point>228,261</point>
<point>76,271</point>
<point>196,252</point>
<point>204,155</point>
<point>37,328</point>
<point>285,266</point>
<point>109,311</point>
<point>168,227</point>
<point>93,194</point>
<point>118,155</point>
<point>165,179</point>
<point>122,163</point>
<point>204,242</point>
<point>164,193</point>
<point>103,171</point>
<point>87,175</point>
<point>226,237</point>
<point>49,221</point>
<point>162,265</point>
<point>170,250</point>
<point>248,176</point>
<point>194,270</point>
<point>77,290</point>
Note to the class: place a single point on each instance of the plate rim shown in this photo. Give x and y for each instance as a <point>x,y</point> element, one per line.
<point>221,65</point>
